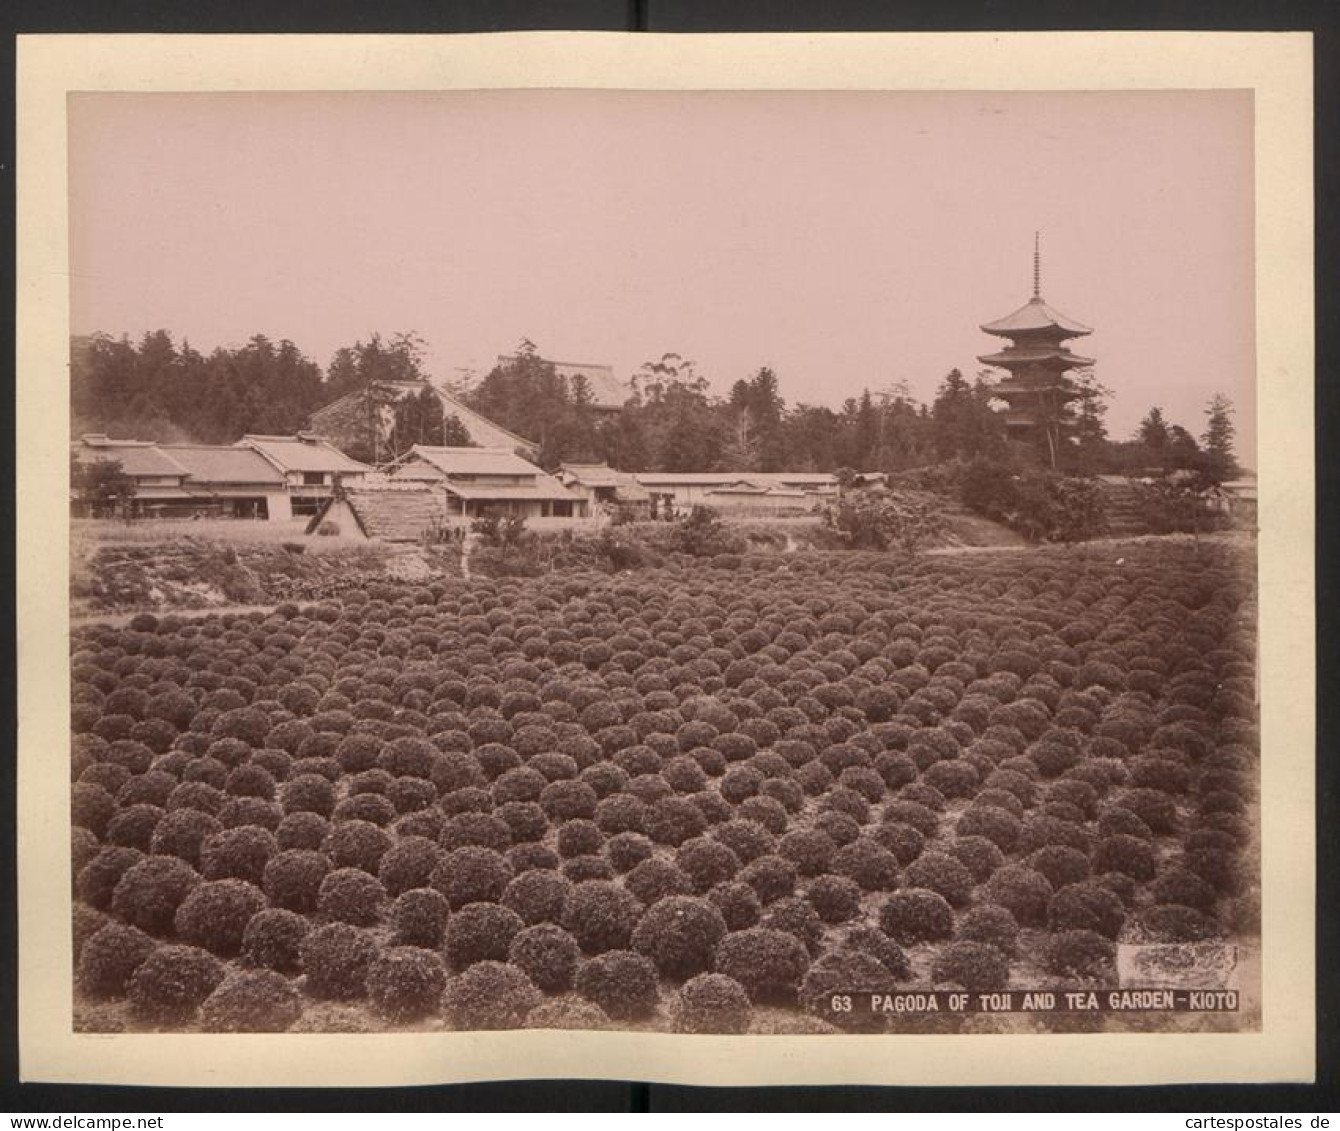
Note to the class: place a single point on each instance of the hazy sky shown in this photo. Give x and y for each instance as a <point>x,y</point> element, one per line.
<point>844,239</point>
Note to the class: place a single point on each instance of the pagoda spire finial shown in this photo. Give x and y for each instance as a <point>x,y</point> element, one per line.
<point>1037,265</point>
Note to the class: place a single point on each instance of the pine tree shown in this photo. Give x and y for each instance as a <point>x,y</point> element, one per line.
<point>1153,430</point>
<point>1218,438</point>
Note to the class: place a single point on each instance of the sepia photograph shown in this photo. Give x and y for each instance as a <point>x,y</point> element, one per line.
<point>738,562</point>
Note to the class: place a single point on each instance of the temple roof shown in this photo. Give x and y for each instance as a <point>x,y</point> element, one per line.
<point>1024,356</point>
<point>1036,315</point>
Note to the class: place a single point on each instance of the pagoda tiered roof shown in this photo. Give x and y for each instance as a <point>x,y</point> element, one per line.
<point>1033,317</point>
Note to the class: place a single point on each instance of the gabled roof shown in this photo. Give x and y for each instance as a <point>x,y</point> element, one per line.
<point>138,458</point>
<point>303,452</point>
<point>1036,315</point>
<point>472,461</point>
<point>211,464</point>
<point>607,391</point>
<point>391,514</point>
<point>594,475</point>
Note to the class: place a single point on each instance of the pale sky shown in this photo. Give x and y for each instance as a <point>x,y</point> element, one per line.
<point>844,239</point>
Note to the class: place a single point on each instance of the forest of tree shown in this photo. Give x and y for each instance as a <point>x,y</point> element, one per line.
<point>672,421</point>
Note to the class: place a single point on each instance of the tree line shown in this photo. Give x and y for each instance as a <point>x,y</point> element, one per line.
<point>672,421</point>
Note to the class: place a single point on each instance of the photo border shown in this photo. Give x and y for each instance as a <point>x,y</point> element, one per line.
<point>1276,66</point>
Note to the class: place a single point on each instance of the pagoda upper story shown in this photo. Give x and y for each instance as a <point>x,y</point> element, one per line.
<point>1037,358</point>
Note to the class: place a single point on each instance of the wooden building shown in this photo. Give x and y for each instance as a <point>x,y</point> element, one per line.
<point>605,489</point>
<point>311,467</point>
<point>488,481</point>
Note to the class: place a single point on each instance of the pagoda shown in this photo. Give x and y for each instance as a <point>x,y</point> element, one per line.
<point>1037,389</point>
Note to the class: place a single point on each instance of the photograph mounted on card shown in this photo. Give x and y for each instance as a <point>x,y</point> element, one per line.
<point>579,552</point>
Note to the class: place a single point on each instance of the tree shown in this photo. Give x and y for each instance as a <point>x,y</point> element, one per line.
<point>1153,430</point>
<point>1221,463</point>
<point>875,520</point>
<point>103,487</point>
<point>1090,433</point>
<point>1183,452</point>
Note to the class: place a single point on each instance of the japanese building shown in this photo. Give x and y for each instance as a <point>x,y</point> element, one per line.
<point>1037,360</point>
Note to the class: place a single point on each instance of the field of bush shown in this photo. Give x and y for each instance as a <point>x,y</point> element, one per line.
<point>696,798</point>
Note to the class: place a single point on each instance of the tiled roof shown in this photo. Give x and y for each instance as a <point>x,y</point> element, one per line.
<point>295,453</point>
<point>474,461</point>
<point>138,458</point>
<point>224,465</point>
<point>1036,315</point>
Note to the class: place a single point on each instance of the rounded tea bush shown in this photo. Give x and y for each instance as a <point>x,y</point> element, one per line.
<point>771,877</point>
<point>149,892</point>
<point>621,982</point>
<point>916,915</point>
<point>336,958</point>
<point>405,983</point>
<point>182,832</point>
<point>711,1003</point>
<point>537,896</point>
<point>1023,892</point>
<point>656,878</point>
<point>408,864</point>
<point>489,995</point>
<point>471,875</point>
<point>273,939</point>
<point>809,850</point>
<point>768,964</point>
<point>251,1001</point>
<point>1128,855</point>
<point>548,955</point>
<point>1060,865</point>
<point>679,934</point>
<point>301,830</point>
<point>706,862</point>
<point>308,793</point>
<point>974,965</point>
<point>869,940</point>
<point>98,878</point>
<point>989,923</point>
<point>836,899</point>
<point>170,985</point>
<point>350,895</point>
<point>601,915</point>
<point>293,878</point>
<point>1086,907</point>
<point>1081,953</point>
<point>1179,885</point>
<point>871,865</point>
<point>980,856</point>
<point>995,824</point>
<point>109,957</point>
<point>356,844</point>
<point>479,932</point>
<point>943,874</point>
<point>419,917</point>
<point>237,854</point>
<point>215,914</point>
<point>133,826</point>
<point>738,903</point>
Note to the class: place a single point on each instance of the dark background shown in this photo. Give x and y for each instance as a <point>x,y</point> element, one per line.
<point>271,16</point>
